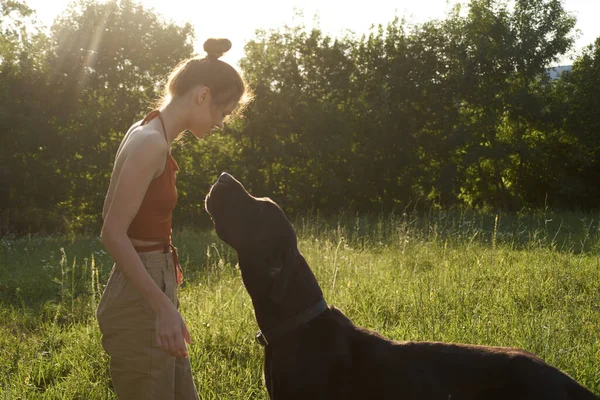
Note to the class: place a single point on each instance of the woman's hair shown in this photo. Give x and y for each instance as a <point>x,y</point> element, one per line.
<point>225,83</point>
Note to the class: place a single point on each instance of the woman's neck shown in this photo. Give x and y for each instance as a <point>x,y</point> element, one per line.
<point>175,119</point>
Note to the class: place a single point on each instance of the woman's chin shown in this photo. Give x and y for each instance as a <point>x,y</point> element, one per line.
<point>200,133</point>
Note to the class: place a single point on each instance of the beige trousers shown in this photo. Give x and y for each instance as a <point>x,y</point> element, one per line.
<point>139,368</point>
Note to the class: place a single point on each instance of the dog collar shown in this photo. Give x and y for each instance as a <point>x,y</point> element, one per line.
<point>263,338</point>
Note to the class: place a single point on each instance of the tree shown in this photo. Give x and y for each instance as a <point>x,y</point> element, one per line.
<point>21,69</point>
<point>576,100</point>
<point>296,134</point>
<point>448,111</point>
<point>505,55</point>
<point>100,69</point>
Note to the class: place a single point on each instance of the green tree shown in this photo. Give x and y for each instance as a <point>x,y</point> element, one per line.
<point>76,93</point>
<point>576,100</point>
<point>108,62</point>
<point>296,135</point>
<point>447,111</point>
<point>22,80</point>
<point>452,111</point>
<point>506,54</point>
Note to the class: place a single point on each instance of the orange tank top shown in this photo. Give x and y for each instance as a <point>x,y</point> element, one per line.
<point>153,221</point>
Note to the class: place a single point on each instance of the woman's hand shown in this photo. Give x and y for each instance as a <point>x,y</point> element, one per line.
<point>171,332</point>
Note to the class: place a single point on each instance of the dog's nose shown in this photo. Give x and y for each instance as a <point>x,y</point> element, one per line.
<point>225,178</point>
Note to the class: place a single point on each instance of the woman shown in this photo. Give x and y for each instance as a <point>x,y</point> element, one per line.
<point>142,329</point>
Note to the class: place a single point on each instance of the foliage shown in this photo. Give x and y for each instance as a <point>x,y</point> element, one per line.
<point>98,70</point>
<point>447,113</point>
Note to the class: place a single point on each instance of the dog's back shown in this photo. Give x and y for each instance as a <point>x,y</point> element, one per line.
<point>428,370</point>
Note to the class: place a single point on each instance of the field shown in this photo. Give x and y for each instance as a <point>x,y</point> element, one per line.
<point>530,281</point>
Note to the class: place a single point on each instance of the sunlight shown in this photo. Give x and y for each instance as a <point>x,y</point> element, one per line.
<point>241,19</point>
<point>238,20</point>
<point>209,19</point>
<point>92,51</point>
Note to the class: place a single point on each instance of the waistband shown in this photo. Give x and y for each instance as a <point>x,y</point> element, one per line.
<point>165,247</point>
<point>168,249</point>
<point>156,257</point>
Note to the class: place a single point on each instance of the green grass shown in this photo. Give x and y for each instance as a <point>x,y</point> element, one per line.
<point>525,281</point>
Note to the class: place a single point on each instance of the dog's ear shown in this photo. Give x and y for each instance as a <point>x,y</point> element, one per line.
<point>249,263</point>
<point>283,272</point>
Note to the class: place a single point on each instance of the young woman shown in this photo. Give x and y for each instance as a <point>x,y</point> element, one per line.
<point>142,329</point>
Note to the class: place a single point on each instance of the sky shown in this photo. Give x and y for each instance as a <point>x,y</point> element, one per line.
<point>238,20</point>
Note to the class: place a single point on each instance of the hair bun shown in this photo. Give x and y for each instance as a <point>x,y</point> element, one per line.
<point>216,47</point>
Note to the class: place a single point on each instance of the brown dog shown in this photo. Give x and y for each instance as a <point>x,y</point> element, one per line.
<point>315,352</point>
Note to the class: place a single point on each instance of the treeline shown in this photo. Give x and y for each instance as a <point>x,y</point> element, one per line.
<point>452,112</point>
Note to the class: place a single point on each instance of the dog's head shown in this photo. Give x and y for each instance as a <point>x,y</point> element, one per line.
<point>259,231</point>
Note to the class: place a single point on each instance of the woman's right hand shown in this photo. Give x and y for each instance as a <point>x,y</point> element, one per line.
<point>171,332</point>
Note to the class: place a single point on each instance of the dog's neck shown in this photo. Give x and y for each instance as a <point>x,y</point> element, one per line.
<point>302,292</point>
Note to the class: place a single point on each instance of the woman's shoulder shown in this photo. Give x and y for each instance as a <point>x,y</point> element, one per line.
<point>144,138</point>
<point>144,146</point>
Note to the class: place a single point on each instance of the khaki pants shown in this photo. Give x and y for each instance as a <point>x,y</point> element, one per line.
<point>139,368</point>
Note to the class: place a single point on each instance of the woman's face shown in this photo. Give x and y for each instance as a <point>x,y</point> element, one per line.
<point>205,115</point>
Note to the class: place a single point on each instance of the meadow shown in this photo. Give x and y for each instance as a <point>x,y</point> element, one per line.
<point>525,280</point>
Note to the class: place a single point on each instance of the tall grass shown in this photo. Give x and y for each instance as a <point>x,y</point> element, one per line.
<point>530,281</point>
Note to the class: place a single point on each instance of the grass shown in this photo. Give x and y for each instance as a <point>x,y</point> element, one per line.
<point>530,281</point>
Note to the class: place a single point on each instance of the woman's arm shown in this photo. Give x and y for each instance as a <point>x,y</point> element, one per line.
<point>145,157</point>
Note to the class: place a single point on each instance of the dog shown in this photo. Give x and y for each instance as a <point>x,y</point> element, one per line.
<point>312,351</point>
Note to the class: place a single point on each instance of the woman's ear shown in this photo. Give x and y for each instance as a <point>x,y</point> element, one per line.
<point>202,95</point>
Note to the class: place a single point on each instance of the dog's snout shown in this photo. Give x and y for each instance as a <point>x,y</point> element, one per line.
<point>225,178</point>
